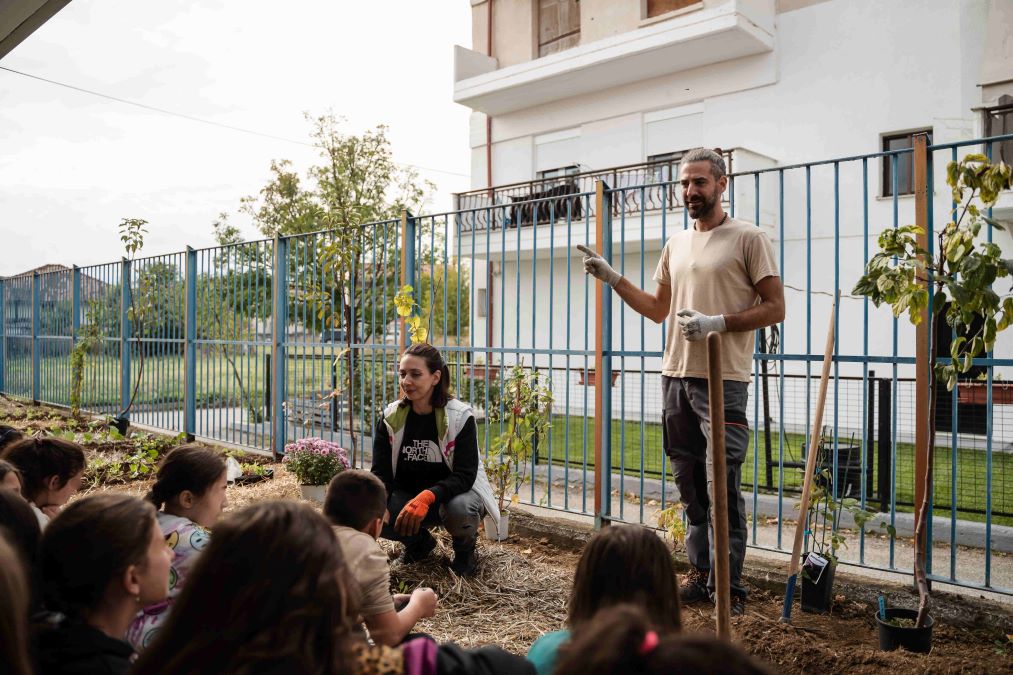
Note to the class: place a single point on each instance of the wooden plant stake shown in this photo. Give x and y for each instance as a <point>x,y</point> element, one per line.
<point>810,467</point>
<point>719,481</point>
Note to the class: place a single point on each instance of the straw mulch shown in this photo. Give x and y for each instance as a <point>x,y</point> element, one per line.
<point>516,595</point>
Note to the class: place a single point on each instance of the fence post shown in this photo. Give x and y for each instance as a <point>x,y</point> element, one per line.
<point>407,267</point>
<point>36,357</point>
<point>279,425</point>
<point>3,338</point>
<point>883,443</point>
<point>125,337</point>
<point>190,348</point>
<point>923,365</point>
<point>75,318</point>
<point>603,363</point>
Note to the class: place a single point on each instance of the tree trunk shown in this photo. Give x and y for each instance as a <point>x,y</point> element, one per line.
<point>350,332</point>
<point>922,510</point>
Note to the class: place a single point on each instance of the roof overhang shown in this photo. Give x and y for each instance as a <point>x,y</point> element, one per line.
<point>21,18</point>
<point>728,31</point>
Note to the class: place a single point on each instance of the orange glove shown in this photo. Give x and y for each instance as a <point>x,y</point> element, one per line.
<point>414,512</point>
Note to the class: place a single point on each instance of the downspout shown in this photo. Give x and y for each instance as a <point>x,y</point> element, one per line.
<point>488,177</point>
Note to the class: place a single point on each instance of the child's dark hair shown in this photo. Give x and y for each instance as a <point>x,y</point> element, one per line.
<point>6,468</point>
<point>89,544</point>
<point>355,498</point>
<point>9,436</point>
<point>13,611</point>
<point>38,459</point>
<point>434,361</point>
<point>188,467</point>
<point>285,604</point>
<point>621,640</point>
<point>625,563</point>
<point>19,523</point>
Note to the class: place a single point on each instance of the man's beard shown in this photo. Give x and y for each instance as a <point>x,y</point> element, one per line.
<point>703,208</point>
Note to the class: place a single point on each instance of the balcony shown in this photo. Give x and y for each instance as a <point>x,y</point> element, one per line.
<point>729,30</point>
<point>539,201</point>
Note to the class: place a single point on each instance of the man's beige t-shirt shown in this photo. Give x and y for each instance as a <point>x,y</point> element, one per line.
<point>713,272</point>
<point>370,570</point>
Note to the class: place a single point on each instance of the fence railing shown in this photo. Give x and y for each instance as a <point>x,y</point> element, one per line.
<point>264,342</point>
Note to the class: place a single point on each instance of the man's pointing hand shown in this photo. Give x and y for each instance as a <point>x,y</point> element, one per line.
<point>598,267</point>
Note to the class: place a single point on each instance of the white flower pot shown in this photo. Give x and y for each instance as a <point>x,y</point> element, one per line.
<point>314,493</point>
<point>491,532</point>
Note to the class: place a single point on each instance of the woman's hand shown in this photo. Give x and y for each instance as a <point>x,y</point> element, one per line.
<point>414,512</point>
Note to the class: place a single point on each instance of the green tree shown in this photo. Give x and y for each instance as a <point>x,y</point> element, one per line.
<point>341,278</point>
<point>961,274</point>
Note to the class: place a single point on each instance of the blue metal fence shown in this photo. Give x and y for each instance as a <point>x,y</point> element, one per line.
<point>252,345</point>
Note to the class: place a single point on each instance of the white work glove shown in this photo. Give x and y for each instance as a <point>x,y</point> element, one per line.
<point>695,326</point>
<point>598,267</point>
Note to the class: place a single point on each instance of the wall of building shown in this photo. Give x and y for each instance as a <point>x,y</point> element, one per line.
<point>843,74</point>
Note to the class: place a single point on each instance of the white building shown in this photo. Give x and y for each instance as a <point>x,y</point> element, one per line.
<point>567,91</point>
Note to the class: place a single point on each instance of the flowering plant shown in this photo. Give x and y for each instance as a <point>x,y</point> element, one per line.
<point>315,461</point>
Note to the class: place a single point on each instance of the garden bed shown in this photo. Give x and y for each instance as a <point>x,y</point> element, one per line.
<point>522,587</point>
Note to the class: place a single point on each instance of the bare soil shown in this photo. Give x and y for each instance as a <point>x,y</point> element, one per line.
<point>522,586</point>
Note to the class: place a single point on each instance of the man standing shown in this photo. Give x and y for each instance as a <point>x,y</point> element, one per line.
<point>721,276</point>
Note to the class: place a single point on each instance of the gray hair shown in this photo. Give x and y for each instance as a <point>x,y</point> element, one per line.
<point>705,155</point>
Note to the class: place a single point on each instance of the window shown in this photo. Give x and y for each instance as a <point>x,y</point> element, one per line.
<point>550,175</point>
<point>558,25</point>
<point>664,167</point>
<point>902,165</point>
<point>655,8</point>
<point>999,122</point>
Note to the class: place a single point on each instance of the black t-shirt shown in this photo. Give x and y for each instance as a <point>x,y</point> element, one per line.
<point>75,648</point>
<point>420,465</point>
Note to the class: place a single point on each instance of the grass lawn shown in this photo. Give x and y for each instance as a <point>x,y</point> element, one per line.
<point>970,464</point>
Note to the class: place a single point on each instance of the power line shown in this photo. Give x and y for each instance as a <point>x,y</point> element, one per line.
<point>191,118</point>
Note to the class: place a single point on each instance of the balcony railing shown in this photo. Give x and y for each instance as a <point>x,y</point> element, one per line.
<point>539,201</point>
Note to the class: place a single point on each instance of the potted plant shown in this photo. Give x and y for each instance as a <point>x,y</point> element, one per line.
<point>315,462</point>
<point>480,371</point>
<point>589,378</point>
<point>960,271</point>
<point>823,521</point>
<point>525,423</point>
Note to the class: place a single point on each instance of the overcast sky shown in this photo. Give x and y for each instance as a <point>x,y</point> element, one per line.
<point>72,164</point>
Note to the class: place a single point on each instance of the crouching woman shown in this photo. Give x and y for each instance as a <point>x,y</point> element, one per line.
<point>426,453</point>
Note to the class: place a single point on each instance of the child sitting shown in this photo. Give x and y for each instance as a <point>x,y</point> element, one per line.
<point>10,477</point>
<point>101,558</point>
<point>189,493</point>
<point>622,639</point>
<point>622,563</point>
<point>9,436</point>
<point>51,471</point>
<point>356,504</point>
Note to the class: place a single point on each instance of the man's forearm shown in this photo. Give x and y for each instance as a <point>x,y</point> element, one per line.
<point>640,301</point>
<point>759,316</point>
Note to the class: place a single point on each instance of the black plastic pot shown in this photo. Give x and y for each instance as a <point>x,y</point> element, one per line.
<point>817,597</point>
<point>912,639</point>
<point>251,478</point>
<point>121,424</point>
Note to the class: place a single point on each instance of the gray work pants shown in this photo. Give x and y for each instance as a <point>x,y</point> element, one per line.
<point>686,437</point>
<point>460,517</point>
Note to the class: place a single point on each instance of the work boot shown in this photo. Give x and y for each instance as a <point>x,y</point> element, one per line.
<point>738,605</point>
<point>694,587</point>
<point>465,562</point>
<point>418,550</point>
